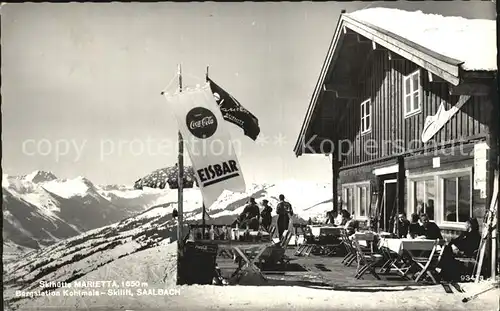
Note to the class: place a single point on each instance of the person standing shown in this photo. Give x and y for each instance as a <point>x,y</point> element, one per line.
<point>284,211</point>
<point>266,215</point>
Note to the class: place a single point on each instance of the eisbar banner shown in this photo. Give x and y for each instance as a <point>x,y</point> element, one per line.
<point>207,142</point>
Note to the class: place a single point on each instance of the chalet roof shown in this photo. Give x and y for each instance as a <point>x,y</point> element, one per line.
<point>452,48</point>
<point>470,41</point>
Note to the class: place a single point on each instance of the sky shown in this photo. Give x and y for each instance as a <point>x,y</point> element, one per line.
<point>81,82</point>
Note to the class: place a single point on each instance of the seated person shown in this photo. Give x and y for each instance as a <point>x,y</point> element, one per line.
<point>330,217</point>
<point>402,226</point>
<point>351,227</point>
<point>429,230</point>
<point>338,219</point>
<point>467,243</point>
<point>250,216</point>
<point>350,224</point>
<point>343,218</point>
<point>415,227</point>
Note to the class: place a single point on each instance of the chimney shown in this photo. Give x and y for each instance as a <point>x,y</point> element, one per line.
<point>342,12</point>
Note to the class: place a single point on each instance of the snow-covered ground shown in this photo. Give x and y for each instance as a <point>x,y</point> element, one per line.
<point>156,223</point>
<point>155,269</point>
<point>137,249</point>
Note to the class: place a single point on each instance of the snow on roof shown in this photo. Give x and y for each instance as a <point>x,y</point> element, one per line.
<point>472,41</point>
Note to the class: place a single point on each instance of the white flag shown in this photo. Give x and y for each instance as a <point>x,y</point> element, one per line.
<point>208,142</point>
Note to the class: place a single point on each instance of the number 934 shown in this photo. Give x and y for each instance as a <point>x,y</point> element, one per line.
<point>468,278</point>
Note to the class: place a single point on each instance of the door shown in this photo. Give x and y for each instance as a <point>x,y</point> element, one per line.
<point>390,191</point>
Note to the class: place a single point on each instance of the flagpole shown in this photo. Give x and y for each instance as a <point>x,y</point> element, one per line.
<point>204,211</point>
<point>180,176</point>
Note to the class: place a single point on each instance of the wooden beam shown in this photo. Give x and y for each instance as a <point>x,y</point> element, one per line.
<point>472,89</point>
<point>362,39</point>
<point>361,77</point>
<point>478,74</point>
<point>435,79</point>
<point>343,112</point>
<point>317,145</point>
<point>401,184</point>
<point>341,91</point>
<point>394,56</point>
<point>443,66</point>
<point>335,173</point>
<point>378,47</point>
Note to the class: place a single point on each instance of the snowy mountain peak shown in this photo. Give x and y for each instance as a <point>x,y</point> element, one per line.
<point>40,176</point>
<point>84,180</point>
<point>68,188</point>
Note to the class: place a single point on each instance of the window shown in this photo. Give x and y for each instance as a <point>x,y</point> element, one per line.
<point>445,196</point>
<point>457,199</point>
<point>349,200</point>
<point>424,196</point>
<point>412,94</point>
<point>366,113</point>
<point>363,201</point>
<point>357,199</point>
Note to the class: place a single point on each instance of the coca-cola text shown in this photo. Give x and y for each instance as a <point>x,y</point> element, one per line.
<point>201,123</point>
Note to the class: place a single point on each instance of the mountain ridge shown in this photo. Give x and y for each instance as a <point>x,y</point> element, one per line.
<point>40,209</point>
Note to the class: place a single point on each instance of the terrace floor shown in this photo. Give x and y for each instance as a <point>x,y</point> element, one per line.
<point>322,271</point>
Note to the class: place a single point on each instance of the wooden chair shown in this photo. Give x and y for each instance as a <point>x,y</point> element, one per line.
<point>469,262</point>
<point>366,261</point>
<point>394,261</point>
<point>307,247</point>
<point>272,232</point>
<point>275,254</point>
<point>427,265</point>
<point>351,253</point>
<point>304,250</point>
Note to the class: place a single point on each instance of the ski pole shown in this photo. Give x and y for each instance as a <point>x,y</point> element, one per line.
<point>477,294</point>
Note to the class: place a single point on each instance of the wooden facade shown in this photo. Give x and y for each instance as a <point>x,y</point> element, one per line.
<point>388,163</point>
<point>391,132</point>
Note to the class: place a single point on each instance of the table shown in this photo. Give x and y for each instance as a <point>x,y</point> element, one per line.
<point>399,245</point>
<point>265,236</point>
<point>318,239</point>
<point>241,248</point>
<point>384,234</point>
<point>395,248</point>
<point>365,238</point>
<point>317,230</point>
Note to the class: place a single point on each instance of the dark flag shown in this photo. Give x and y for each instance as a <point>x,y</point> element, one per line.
<point>234,112</point>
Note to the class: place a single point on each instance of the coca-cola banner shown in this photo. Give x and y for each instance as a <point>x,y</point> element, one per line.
<point>207,141</point>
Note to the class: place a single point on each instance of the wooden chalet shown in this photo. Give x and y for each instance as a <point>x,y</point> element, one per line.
<point>369,108</point>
